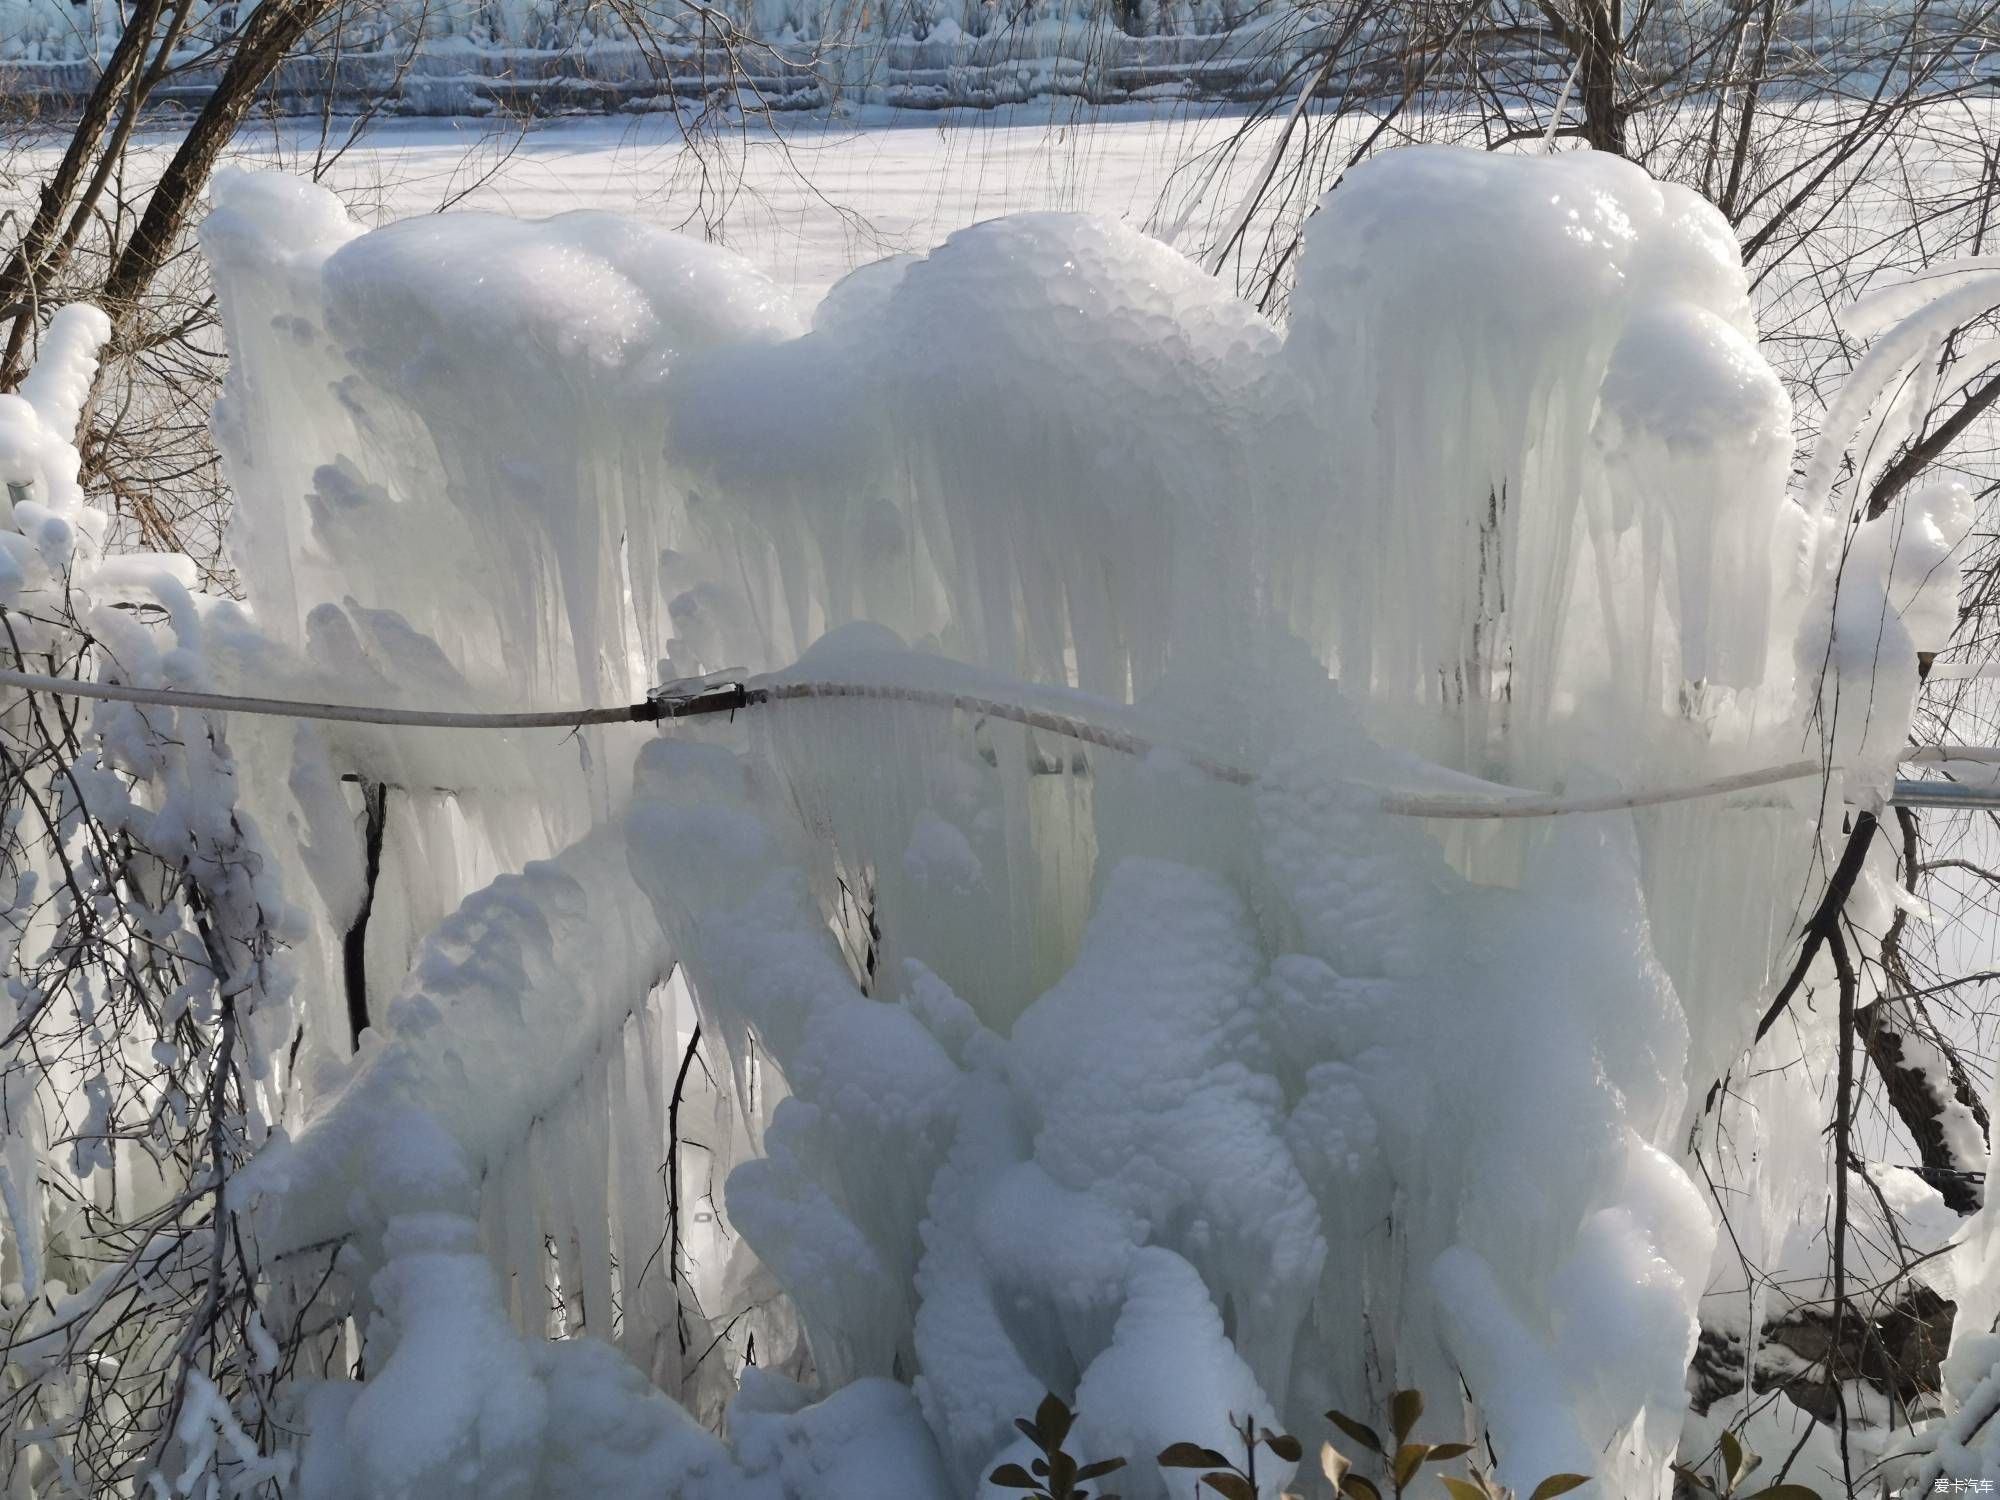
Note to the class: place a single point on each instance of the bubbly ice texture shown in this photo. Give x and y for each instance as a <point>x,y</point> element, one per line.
<point>1058,1070</point>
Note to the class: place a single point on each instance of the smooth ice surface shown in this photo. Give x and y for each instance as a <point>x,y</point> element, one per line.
<point>1043,1067</point>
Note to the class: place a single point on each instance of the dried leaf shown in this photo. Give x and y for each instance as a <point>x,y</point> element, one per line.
<point>1732,1457</point>
<point>1333,1463</point>
<point>1558,1484</point>
<point>1230,1486</point>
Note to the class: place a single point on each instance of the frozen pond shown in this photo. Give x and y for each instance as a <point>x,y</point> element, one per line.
<point>808,205</point>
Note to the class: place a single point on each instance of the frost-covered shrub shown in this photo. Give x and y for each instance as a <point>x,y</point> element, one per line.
<point>1076,1012</point>
<point>143,1033</point>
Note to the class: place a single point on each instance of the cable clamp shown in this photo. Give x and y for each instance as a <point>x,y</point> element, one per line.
<point>692,697</point>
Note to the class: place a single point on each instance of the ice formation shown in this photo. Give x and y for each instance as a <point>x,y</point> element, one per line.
<point>1040,1067</point>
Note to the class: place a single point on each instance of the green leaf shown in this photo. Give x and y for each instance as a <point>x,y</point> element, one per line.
<point>1462,1489</point>
<point>1445,1452</point>
<point>1034,1433</point>
<point>1404,1409</point>
<point>1040,1466</point>
<point>1361,1432</point>
<point>1053,1419</point>
<point>1558,1484</point>
<point>1285,1446</point>
<point>1190,1456</point>
<point>1230,1486</point>
<point>1013,1477</point>
<point>1102,1467</point>
<point>1062,1472</point>
<point>1409,1458</point>
<point>1786,1492</point>
<point>1360,1489</point>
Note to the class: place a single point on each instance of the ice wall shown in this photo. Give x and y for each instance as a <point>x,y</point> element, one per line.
<point>1178,1095</point>
<point>1515,473</point>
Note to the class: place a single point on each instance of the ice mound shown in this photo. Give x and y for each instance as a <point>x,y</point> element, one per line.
<point>1058,1069</point>
<point>1103,394</point>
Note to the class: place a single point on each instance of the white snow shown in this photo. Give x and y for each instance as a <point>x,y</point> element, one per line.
<point>1039,1067</point>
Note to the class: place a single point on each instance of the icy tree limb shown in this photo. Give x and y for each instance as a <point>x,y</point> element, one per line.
<point>26,269</point>
<point>269,33</point>
<point>1825,919</point>
<point>1922,1099</point>
<point>1926,450</point>
<point>1924,1078</point>
<point>1843,1126</point>
<point>354,941</point>
<point>544,964</point>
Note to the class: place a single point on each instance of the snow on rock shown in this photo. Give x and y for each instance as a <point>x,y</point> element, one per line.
<point>1965,1443</point>
<point>1183,1097</point>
